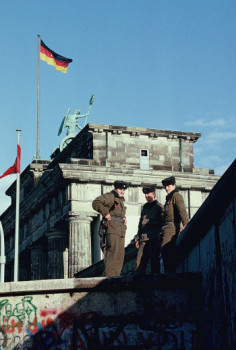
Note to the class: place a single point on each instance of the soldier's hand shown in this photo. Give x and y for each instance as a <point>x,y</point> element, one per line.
<point>137,244</point>
<point>108,217</point>
<point>125,221</point>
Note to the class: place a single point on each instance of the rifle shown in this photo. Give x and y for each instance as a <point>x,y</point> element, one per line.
<point>102,233</point>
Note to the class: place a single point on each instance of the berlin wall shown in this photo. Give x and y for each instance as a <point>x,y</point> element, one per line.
<point>208,244</point>
<point>130,312</point>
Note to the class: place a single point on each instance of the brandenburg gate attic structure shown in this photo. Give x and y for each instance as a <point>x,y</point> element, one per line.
<point>59,228</point>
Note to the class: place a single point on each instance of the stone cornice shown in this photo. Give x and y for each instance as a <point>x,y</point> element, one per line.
<point>98,174</point>
<point>135,131</point>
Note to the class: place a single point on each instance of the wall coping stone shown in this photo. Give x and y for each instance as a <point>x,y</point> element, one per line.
<point>211,210</point>
<point>157,281</point>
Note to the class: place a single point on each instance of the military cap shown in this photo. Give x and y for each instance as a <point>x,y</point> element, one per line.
<point>120,184</point>
<point>168,181</point>
<point>149,188</point>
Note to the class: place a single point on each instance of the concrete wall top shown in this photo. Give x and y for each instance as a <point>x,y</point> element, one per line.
<point>211,210</point>
<point>101,283</point>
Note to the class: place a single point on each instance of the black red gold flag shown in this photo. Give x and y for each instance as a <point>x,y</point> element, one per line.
<point>59,62</point>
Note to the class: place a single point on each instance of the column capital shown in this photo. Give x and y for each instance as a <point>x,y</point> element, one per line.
<point>82,216</point>
<point>36,246</point>
<point>53,233</point>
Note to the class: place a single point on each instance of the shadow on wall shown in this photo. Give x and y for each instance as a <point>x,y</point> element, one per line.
<point>131,312</point>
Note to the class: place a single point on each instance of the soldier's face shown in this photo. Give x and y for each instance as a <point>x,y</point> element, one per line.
<point>150,197</point>
<point>120,191</point>
<point>170,188</point>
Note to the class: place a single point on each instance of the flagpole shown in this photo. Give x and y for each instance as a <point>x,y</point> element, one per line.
<point>16,261</point>
<point>38,97</point>
<point>2,256</point>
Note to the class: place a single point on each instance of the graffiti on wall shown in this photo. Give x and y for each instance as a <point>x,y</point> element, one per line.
<point>24,326</point>
<point>16,317</point>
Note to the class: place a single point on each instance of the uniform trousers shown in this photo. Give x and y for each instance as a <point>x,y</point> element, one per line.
<point>148,250</point>
<point>168,248</point>
<point>114,254</point>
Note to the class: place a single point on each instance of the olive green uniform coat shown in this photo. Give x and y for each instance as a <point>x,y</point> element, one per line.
<point>174,214</point>
<point>115,235</point>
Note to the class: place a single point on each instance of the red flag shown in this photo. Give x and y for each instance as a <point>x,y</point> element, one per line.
<point>15,168</point>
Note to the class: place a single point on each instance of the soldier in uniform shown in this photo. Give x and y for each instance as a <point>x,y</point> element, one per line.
<point>174,214</point>
<point>148,238</point>
<point>111,206</point>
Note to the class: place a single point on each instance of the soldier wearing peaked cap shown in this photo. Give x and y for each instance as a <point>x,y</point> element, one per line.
<point>175,214</point>
<point>148,238</point>
<point>120,185</point>
<point>111,206</point>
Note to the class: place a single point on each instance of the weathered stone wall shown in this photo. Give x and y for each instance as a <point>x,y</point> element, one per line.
<point>150,312</point>
<point>116,146</point>
<point>209,245</point>
<point>125,143</point>
<point>215,257</point>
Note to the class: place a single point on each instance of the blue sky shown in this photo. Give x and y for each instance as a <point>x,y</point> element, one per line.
<point>161,64</point>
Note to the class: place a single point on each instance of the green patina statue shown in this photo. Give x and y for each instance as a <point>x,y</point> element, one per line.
<point>71,122</point>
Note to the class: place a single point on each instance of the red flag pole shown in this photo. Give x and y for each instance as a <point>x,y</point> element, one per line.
<point>2,256</point>
<point>16,260</point>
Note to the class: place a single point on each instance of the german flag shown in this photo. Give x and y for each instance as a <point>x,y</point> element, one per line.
<point>59,62</point>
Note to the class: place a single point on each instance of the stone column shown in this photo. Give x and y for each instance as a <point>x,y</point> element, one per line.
<point>38,257</point>
<point>80,255</point>
<point>57,242</point>
<point>9,270</point>
<point>25,266</point>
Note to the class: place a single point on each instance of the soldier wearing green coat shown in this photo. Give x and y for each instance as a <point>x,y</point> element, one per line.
<point>175,220</point>
<point>111,206</point>
<point>148,238</point>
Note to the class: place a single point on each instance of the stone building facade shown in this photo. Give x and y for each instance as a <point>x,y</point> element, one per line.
<point>58,227</point>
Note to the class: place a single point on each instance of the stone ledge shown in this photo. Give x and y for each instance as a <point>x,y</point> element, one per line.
<point>159,281</point>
